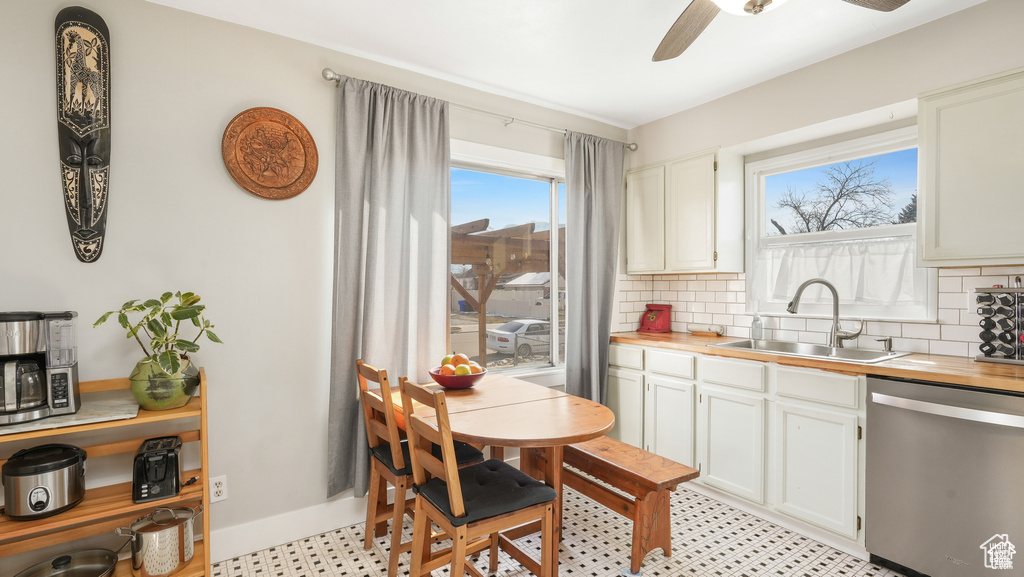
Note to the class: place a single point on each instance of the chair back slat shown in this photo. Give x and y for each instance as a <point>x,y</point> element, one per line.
<point>422,433</point>
<point>379,411</point>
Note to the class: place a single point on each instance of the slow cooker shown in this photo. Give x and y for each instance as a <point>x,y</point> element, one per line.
<point>43,481</point>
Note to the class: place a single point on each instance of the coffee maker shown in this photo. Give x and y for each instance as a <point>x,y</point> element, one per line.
<point>38,366</point>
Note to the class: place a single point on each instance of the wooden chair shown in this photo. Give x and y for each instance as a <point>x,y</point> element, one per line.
<point>390,463</point>
<point>470,505</point>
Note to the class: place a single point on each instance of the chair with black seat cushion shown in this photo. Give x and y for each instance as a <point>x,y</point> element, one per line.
<point>390,462</point>
<point>472,504</point>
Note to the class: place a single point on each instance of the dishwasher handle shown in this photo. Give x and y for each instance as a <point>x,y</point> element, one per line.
<point>988,417</point>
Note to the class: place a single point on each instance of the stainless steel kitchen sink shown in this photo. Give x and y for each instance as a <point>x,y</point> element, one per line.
<point>811,351</point>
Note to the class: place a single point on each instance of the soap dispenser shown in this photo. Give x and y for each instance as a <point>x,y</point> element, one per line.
<point>757,328</point>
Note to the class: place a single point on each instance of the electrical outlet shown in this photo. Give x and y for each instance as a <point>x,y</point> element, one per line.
<point>218,488</point>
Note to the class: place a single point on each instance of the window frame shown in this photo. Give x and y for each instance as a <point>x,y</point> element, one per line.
<point>756,173</point>
<point>495,160</point>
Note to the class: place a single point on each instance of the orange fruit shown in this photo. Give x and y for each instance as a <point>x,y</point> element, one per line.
<point>460,359</point>
<point>463,370</point>
<point>475,368</point>
<point>446,370</point>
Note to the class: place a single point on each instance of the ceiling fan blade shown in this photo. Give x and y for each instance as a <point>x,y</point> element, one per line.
<point>881,5</point>
<point>687,28</point>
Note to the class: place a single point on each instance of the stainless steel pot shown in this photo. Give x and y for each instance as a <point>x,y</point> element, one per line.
<point>163,541</point>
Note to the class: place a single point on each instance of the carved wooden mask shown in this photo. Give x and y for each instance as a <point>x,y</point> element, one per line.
<point>83,125</point>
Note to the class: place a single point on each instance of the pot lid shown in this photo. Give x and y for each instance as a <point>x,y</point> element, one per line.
<point>162,518</point>
<point>43,459</point>
<point>81,563</point>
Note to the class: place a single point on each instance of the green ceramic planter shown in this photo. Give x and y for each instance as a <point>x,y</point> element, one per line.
<point>156,390</point>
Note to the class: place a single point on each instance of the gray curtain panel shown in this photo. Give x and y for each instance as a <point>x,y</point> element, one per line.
<point>593,190</point>
<point>392,176</point>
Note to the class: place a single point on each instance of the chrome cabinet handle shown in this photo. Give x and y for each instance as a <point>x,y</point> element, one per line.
<point>987,417</point>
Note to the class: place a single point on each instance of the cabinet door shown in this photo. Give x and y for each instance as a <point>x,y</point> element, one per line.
<point>817,471</point>
<point>668,418</point>
<point>733,442</point>
<point>970,155</point>
<point>626,400</point>
<point>690,214</point>
<point>645,220</point>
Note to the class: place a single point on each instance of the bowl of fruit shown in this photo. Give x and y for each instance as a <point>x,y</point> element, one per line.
<point>457,372</point>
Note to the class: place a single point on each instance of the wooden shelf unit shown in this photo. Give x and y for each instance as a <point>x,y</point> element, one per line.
<point>105,508</point>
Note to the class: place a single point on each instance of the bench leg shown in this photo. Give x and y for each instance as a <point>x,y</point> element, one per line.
<point>652,528</point>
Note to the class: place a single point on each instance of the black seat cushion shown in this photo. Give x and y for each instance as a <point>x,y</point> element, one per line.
<point>464,453</point>
<point>489,489</point>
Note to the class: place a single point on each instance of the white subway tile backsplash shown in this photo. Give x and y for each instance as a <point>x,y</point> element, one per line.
<point>950,348</point>
<point>920,331</point>
<point>949,316</point>
<point>961,333</point>
<point>715,308</point>
<point>962,271</point>
<point>973,282</point>
<point>951,284</point>
<point>952,301</point>
<point>721,298</point>
<point>794,324</point>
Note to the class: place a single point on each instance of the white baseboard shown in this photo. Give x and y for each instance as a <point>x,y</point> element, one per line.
<point>238,540</point>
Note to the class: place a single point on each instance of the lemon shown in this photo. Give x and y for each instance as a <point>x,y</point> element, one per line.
<point>463,370</point>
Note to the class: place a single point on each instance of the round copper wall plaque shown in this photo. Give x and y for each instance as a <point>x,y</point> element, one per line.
<point>269,153</point>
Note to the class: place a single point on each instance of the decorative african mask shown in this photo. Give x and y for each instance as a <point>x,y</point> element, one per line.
<point>83,125</point>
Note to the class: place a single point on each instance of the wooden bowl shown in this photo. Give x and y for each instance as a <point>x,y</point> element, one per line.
<point>455,381</point>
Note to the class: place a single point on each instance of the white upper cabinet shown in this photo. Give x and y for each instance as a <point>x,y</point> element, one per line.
<point>971,172</point>
<point>685,215</point>
<point>645,227</point>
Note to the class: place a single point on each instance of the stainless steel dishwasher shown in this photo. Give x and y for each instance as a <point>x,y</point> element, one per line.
<point>945,479</point>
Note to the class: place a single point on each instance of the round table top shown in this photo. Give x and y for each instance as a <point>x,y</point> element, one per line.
<point>508,412</point>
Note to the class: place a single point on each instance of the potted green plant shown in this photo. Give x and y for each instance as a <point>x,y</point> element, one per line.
<point>166,377</point>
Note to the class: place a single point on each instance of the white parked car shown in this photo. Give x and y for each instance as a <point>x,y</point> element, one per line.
<point>523,336</point>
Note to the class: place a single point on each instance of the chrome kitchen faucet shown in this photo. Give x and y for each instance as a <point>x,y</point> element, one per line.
<point>835,335</point>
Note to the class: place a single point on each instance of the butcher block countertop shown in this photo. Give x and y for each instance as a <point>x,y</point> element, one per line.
<point>937,368</point>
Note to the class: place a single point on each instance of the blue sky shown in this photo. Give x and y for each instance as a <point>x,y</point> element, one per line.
<point>899,167</point>
<point>505,200</point>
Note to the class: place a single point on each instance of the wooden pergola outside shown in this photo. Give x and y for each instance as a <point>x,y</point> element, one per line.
<point>491,254</point>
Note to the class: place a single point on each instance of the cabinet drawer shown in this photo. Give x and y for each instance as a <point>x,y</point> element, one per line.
<point>820,386</point>
<point>734,373</point>
<point>673,364</point>
<point>626,356</point>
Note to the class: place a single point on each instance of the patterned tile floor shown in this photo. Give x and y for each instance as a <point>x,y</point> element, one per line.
<point>709,539</point>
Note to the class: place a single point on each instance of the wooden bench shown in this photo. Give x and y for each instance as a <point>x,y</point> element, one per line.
<point>647,477</point>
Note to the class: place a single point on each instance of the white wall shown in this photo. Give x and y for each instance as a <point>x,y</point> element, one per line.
<point>981,40</point>
<point>863,91</point>
<point>178,222</point>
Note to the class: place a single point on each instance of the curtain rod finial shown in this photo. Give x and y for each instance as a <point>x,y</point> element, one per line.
<point>329,74</point>
<point>632,146</point>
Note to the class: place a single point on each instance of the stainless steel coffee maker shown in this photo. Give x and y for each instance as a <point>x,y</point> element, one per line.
<point>38,366</point>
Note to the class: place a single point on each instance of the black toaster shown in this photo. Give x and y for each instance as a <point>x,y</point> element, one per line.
<point>156,472</point>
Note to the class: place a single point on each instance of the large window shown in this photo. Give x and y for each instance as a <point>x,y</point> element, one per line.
<point>507,268</point>
<point>846,213</point>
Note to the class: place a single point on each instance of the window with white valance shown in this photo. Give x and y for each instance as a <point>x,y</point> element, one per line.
<point>871,259</point>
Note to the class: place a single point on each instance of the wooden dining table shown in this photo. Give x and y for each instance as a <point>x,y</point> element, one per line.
<point>502,411</point>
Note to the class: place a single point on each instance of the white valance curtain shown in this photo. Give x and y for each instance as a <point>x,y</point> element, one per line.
<point>392,175</point>
<point>875,277</point>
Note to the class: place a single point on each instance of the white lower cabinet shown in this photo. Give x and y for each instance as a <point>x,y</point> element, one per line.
<point>668,418</point>
<point>816,460</point>
<point>626,400</point>
<point>731,434</point>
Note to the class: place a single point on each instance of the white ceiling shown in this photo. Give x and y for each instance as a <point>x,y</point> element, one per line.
<point>588,57</point>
